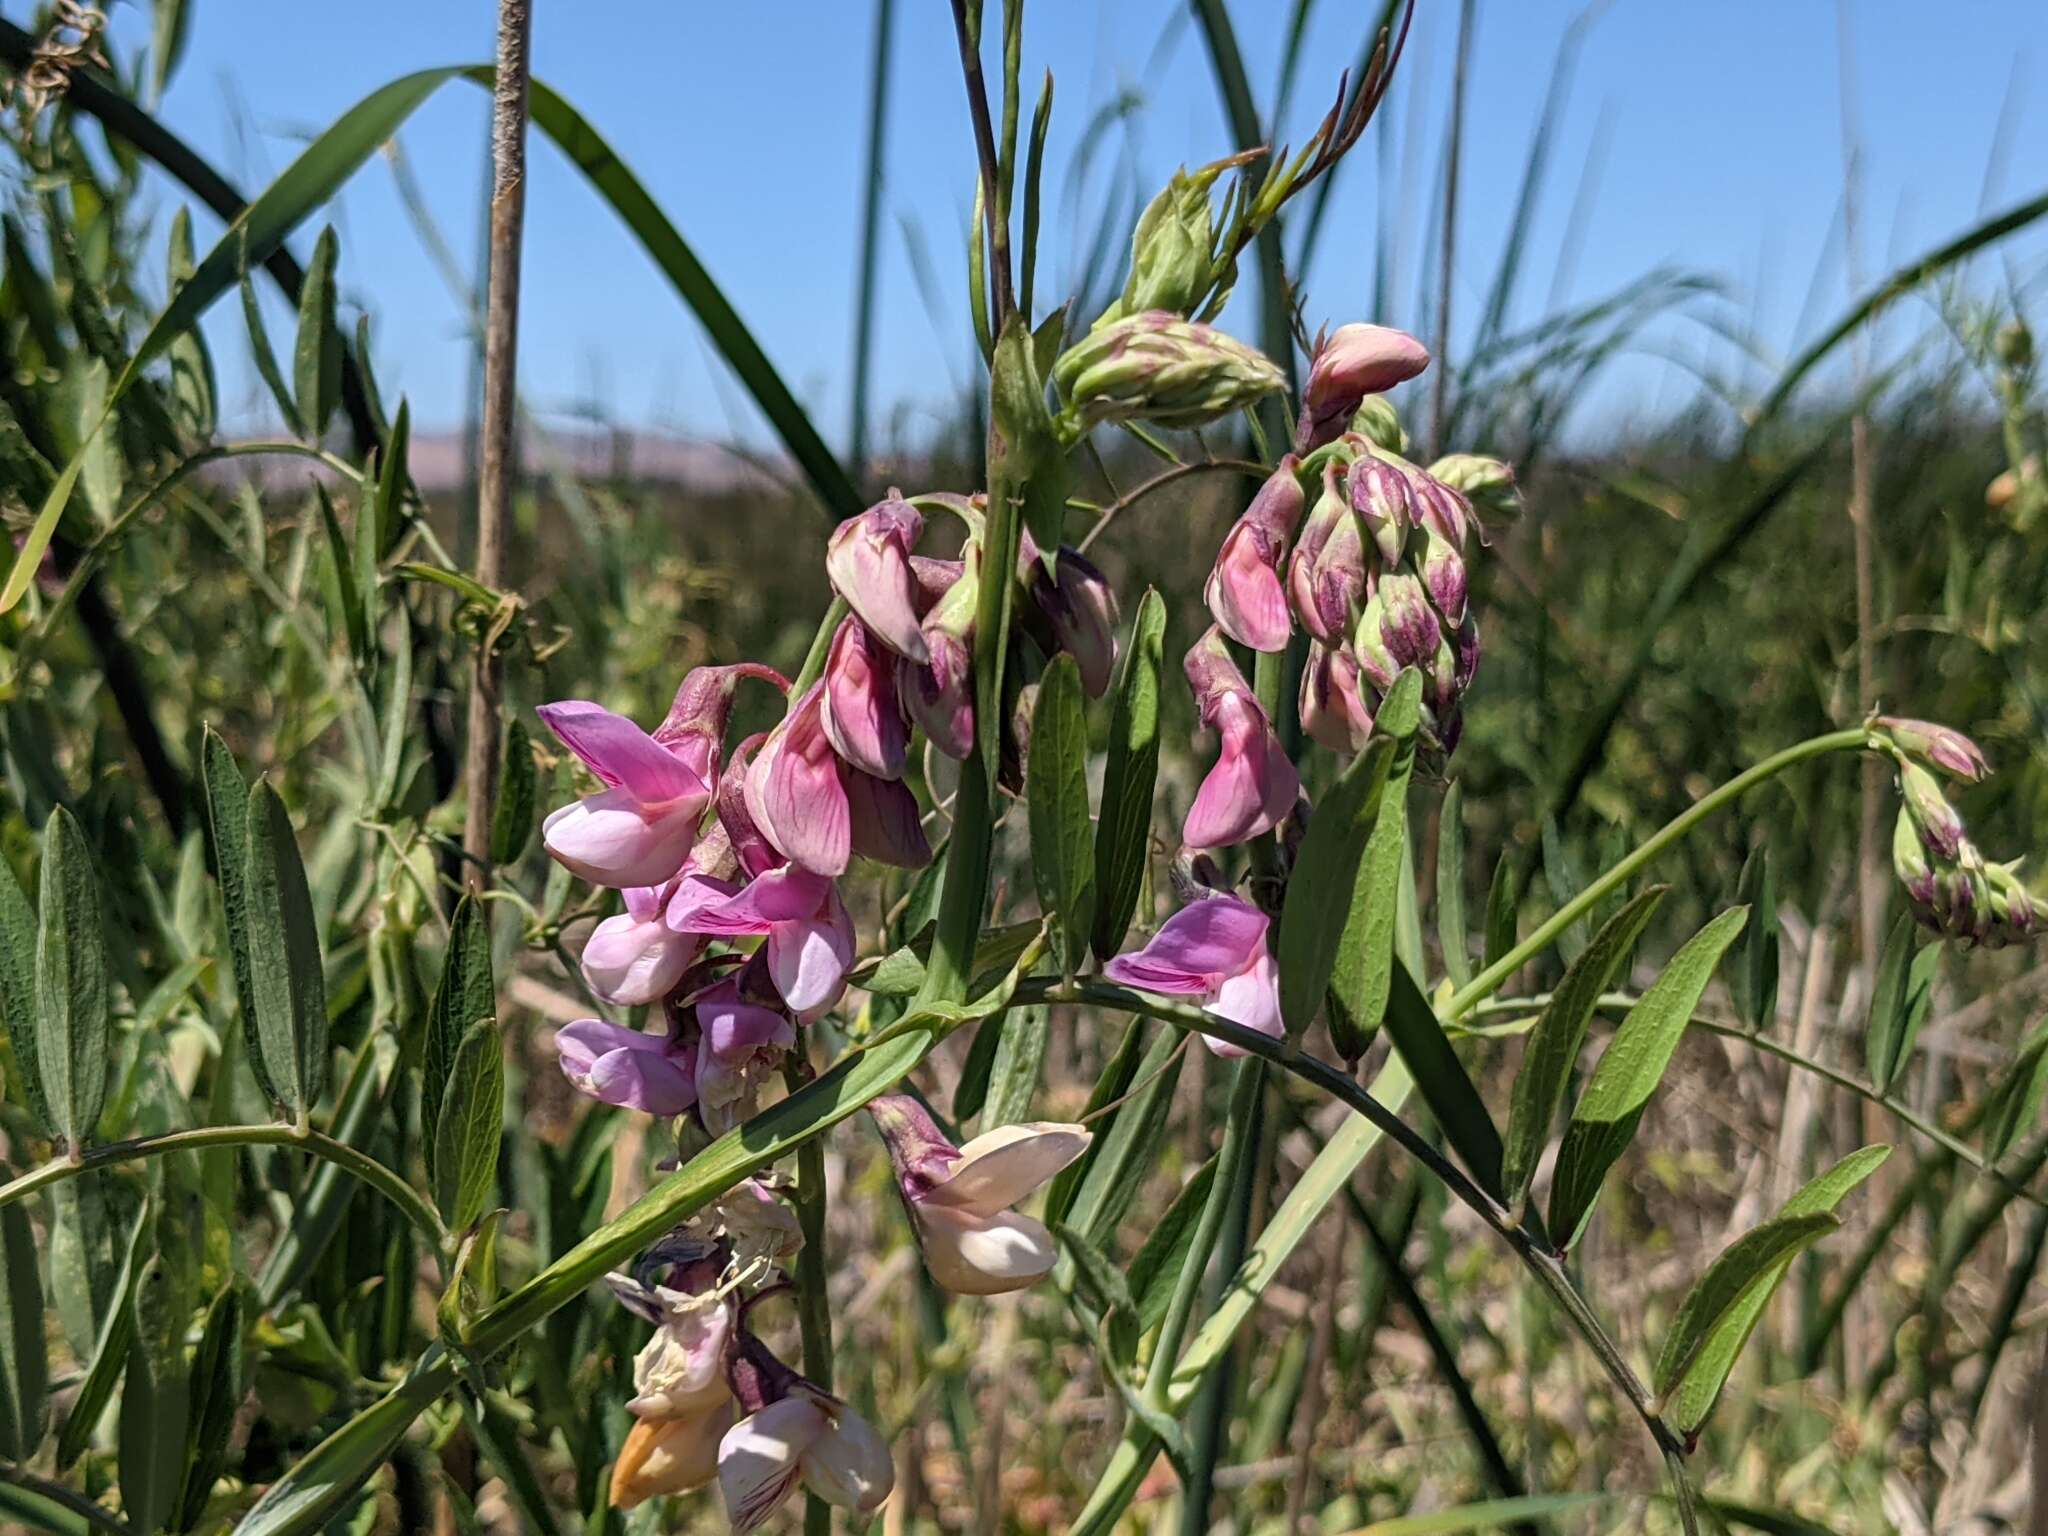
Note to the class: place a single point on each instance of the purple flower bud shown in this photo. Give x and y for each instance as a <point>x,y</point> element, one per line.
<point>1443,572</point>
<point>1244,591</point>
<point>1909,863</point>
<point>1487,484</point>
<point>1408,625</point>
<point>938,693</point>
<point>1333,711</point>
<point>1938,745</point>
<point>1326,576</point>
<point>1375,662</point>
<point>1076,609</point>
<point>868,563</point>
<point>1382,498</point>
<point>1940,828</point>
<point>1466,644</point>
<point>1440,507</point>
<point>861,715</point>
<point>694,728</point>
<point>1354,361</point>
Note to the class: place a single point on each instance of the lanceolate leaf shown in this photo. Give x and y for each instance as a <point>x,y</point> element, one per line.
<point>266,360</point>
<point>316,356</point>
<point>1503,903</point>
<point>1056,790</point>
<point>1418,1037</point>
<point>1754,979</point>
<point>1123,836</point>
<point>1450,886</point>
<point>1319,904</point>
<point>71,983</point>
<point>348,594</point>
<point>227,819</point>
<point>2016,1101</point>
<point>1116,1077</point>
<point>1702,1382</point>
<point>1553,1045</point>
<point>1898,1003</point>
<point>1158,1264</point>
<point>1359,982</point>
<point>284,958</point>
<point>1019,1063</point>
<point>1126,1147</point>
<point>216,1397</point>
<point>18,993</point>
<point>1714,1298</point>
<point>470,1125</point>
<point>110,1349</point>
<point>155,1398</point>
<point>24,1350</point>
<point>1605,1120</point>
<point>465,993</point>
<point>387,509</point>
<point>512,818</point>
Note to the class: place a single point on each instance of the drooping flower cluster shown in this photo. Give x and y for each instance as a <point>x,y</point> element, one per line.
<point>1952,888</point>
<point>711,1400</point>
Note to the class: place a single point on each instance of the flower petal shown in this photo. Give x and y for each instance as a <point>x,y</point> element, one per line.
<point>786,894</point>
<point>695,894</point>
<point>860,713</point>
<point>621,754</point>
<point>975,1255</point>
<point>849,1465</point>
<point>630,961</point>
<point>1250,998</point>
<point>884,822</point>
<point>672,1455</point>
<point>808,959</point>
<point>757,1458</point>
<point>624,1067</point>
<point>609,839</point>
<point>1251,787</point>
<point>1244,592</point>
<point>1001,1167</point>
<point>795,792</point>
<point>1198,946</point>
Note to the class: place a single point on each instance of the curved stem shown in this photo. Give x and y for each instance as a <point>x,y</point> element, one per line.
<point>1546,1267</point>
<point>1159,482</point>
<point>1488,981</point>
<point>345,1157</point>
<point>72,1501</point>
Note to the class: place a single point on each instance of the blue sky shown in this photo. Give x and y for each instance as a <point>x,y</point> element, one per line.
<point>1714,133</point>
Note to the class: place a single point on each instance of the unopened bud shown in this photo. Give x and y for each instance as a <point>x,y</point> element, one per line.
<point>1378,423</point>
<point>1443,572</point>
<point>1408,625</point>
<point>1170,248</point>
<point>1936,745</point>
<point>1382,496</point>
<point>1351,363</point>
<point>1160,368</point>
<point>1487,483</point>
<point>1333,711</point>
<point>1909,863</point>
<point>1326,575</point>
<point>1940,828</point>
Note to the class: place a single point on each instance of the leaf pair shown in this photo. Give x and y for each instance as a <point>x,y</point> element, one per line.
<point>273,936</point>
<point>53,986</point>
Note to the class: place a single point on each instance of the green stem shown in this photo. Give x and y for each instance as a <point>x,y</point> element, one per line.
<point>821,646</point>
<point>71,1501</point>
<point>1488,981</point>
<point>814,1314</point>
<point>343,1156</point>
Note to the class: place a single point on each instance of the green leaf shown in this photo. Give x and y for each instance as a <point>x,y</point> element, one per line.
<point>1753,981</point>
<point>1713,1302</point>
<point>1898,1003</point>
<point>2016,1100</point>
<point>898,974</point>
<point>110,1349</point>
<point>518,792</point>
<point>465,994</point>
<point>397,711</point>
<point>1110,1086</point>
<point>470,1126</point>
<point>1701,1385</point>
<point>387,508</point>
<point>1056,791</point>
<point>1157,1266</point>
<point>1564,877</point>
<point>1127,1143</point>
<point>18,994</point>
<point>284,958</point>
<point>1103,1286</point>
<point>87,1238</point>
<point>971,1092</point>
<point>24,1350</point>
<point>217,1389</point>
<point>1489,1515</point>
<point>227,821</point>
<point>1019,1062</point>
<point>266,360</point>
<point>316,356</point>
<point>1123,837</point>
<point>1363,974</point>
<point>71,984</point>
<point>155,1398</point>
<point>1553,1045</point>
<point>1450,886</point>
<point>348,594</point>
<point>1503,905</point>
<point>1418,1038</point>
<point>1629,1071</point>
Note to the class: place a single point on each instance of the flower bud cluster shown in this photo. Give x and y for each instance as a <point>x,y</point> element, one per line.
<point>1951,887</point>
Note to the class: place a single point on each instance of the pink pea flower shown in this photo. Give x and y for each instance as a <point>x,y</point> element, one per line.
<point>1074,610</point>
<point>1333,710</point>
<point>639,828</point>
<point>861,716</point>
<point>636,957</point>
<point>868,564</point>
<point>1214,950</point>
<point>1253,785</point>
<point>682,1404</point>
<point>795,1431</point>
<point>938,691</point>
<point>630,1068</point>
<point>740,1042</point>
<point>1352,362</point>
<point>795,793</point>
<point>810,933</point>
<point>959,1198</point>
<point>1244,591</point>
